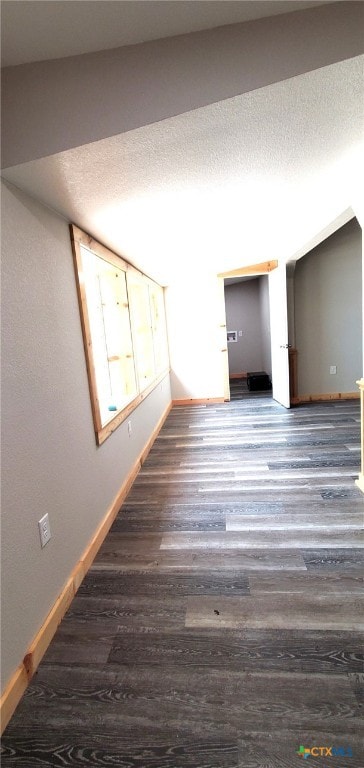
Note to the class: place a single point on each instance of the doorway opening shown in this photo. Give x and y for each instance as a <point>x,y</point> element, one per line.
<point>248,336</point>
<point>266,308</point>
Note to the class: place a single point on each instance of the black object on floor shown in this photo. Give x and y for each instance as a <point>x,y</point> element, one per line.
<point>258,380</point>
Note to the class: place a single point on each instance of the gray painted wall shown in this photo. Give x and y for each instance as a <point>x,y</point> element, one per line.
<point>50,459</point>
<point>156,80</point>
<point>328,313</point>
<point>243,313</point>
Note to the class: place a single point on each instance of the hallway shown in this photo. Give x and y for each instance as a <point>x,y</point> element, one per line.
<point>219,626</point>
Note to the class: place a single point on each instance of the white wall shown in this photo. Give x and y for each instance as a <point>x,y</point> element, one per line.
<point>328,313</point>
<point>50,459</point>
<point>243,313</point>
<point>194,319</point>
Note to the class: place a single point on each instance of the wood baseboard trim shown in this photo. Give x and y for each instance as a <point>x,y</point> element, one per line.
<point>18,682</point>
<point>12,695</point>
<point>241,375</point>
<point>328,396</point>
<point>199,401</point>
<point>42,639</point>
<point>360,482</point>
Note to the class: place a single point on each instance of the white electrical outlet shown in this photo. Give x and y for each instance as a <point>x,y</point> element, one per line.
<point>44,530</point>
<point>333,369</point>
<point>129,428</point>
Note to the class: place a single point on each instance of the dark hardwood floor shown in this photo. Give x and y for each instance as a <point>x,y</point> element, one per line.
<point>221,623</point>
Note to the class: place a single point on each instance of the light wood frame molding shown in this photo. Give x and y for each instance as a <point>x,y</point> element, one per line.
<point>263,268</point>
<point>324,396</point>
<point>104,430</point>
<point>22,676</point>
<point>293,380</point>
<point>198,401</point>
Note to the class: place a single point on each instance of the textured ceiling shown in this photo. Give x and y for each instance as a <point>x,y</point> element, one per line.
<point>38,30</point>
<point>238,182</point>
